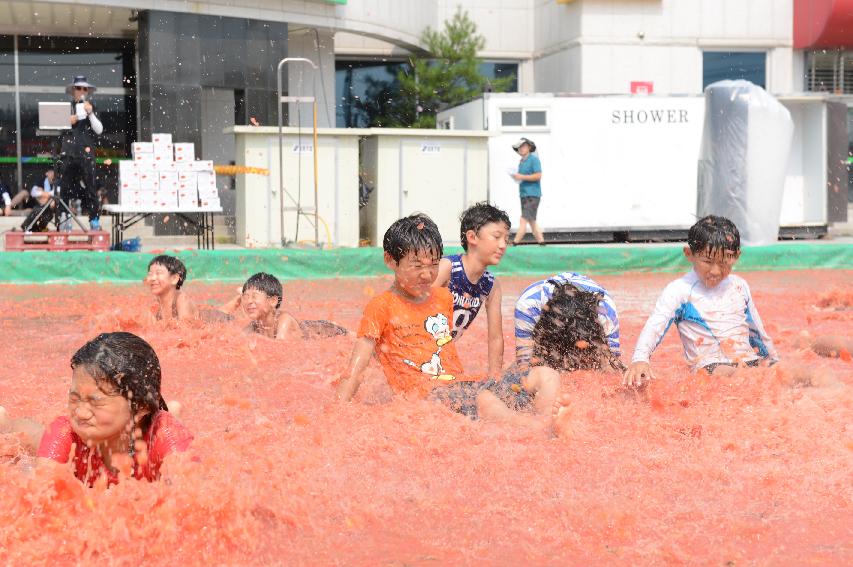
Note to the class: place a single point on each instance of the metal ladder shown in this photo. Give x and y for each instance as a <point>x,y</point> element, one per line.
<point>301,211</point>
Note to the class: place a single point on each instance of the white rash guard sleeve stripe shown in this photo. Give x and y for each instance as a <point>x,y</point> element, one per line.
<point>758,337</point>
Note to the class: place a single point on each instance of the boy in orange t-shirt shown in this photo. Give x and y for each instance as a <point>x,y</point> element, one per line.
<point>417,353</point>
<point>409,328</point>
<point>408,325</point>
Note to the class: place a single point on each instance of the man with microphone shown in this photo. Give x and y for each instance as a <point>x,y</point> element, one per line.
<point>77,156</point>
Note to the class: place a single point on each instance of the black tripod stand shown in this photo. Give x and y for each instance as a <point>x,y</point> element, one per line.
<point>50,207</point>
<point>56,202</point>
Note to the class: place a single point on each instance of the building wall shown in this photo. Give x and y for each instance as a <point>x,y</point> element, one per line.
<point>585,46</point>
<point>673,69</point>
<point>317,45</point>
<point>348,44</point>
<point>394,20</point>
<point>556,27</point>
<point>600,46</point>
<point>507,25</point>
<point>239,54</point>
<point>559,72</point>
<point>615,42</point>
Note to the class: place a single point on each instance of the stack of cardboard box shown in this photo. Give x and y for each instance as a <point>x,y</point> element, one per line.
<point>166,176</point>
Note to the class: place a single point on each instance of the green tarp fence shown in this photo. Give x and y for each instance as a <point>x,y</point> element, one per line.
<point>237,265</point>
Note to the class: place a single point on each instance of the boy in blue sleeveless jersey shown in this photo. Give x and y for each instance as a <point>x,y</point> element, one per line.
<point>484,231</point>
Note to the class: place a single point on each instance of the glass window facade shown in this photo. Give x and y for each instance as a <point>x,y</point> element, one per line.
<point>8,113</point>
<point>8,140</point>
<point>722,65</point>
<point>46,65</point>
<point>499,70</point>
<point>829,71</point>
<point>7,60</point>
<point>365,91</point>
<point>106,63</point>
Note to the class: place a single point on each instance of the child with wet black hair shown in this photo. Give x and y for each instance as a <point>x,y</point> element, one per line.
<point>117,421</point>
<point>408,328</point>
<point>565,323</point>
<point>484,231</point>
<point>260,298</point>
<point>166,276</point>
<point>409,325</point>
<point>569,336</point>
<point>713,310</point>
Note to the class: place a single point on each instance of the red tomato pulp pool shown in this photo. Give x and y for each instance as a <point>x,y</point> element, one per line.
<point>705,471</point>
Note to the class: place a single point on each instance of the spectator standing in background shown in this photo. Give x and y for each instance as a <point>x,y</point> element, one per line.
<point>529,189</point>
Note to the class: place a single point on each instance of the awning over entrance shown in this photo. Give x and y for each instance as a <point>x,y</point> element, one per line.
<point>823,24</point>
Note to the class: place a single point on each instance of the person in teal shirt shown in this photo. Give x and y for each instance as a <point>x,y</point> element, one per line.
<point>529,189</point>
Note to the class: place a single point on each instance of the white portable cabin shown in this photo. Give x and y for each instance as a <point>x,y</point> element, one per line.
<point>816,171</point>
<point>419,170</point>
<point>627,164</point>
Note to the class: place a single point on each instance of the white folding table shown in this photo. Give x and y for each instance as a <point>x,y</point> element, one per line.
<point>200,218</point>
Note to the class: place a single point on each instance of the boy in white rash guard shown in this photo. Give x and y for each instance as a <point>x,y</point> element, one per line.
<point>712,309</point>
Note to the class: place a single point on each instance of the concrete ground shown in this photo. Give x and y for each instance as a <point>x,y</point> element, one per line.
<point>224,236</point>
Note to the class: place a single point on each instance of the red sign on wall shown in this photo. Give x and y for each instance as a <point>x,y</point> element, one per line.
<point>642,87</point>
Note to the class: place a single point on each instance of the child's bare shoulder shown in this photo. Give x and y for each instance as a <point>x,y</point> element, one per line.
<point>181,296</point>
<point>443,277</point>
<point>288,326</point>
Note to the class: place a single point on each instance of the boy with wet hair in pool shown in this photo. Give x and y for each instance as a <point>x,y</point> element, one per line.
<point>408,327</point>
<point>166,276</point>
<point>713,309</point>
<point>484,233</point>
<point>260,298</point>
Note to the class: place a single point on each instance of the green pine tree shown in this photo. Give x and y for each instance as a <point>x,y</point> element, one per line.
<point>447,77</point>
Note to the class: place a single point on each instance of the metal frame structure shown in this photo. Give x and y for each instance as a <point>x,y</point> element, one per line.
<point>201,220</point>
<point>300,210</point>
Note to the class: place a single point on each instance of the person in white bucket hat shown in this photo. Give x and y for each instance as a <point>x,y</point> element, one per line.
<point>76,163</point>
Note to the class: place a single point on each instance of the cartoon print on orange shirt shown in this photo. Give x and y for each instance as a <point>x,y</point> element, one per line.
<point>436,325</point>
